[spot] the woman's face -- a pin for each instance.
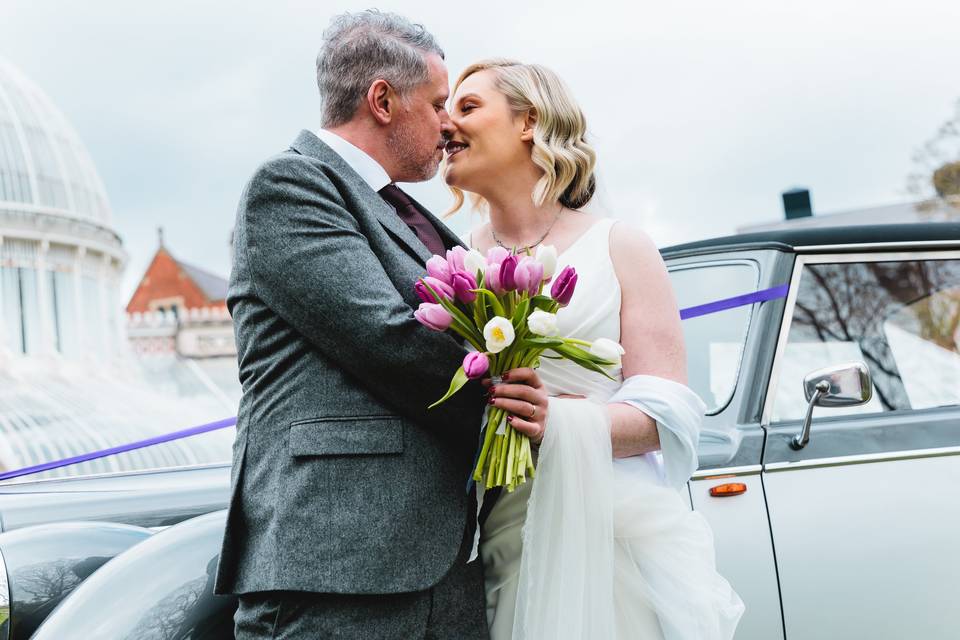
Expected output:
(489, 140)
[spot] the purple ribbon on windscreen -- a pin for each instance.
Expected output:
(690, 312)
(139, 444)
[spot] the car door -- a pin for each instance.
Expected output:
(724, 350)
(865, 517)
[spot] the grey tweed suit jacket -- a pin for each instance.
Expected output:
(342, 480)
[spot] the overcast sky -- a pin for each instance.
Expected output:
(701, 112)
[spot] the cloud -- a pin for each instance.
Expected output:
(701, 112)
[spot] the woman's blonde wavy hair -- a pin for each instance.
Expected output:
(560, 148)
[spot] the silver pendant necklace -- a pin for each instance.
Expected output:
(493, 234)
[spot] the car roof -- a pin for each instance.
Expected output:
(827, 238)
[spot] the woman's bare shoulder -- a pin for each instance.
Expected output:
(632, 249)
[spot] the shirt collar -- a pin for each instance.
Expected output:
(366, 167)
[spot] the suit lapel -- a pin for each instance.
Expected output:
(310, 145)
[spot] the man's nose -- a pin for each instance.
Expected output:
(446, 124)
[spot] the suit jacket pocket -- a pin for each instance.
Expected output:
(346, 436)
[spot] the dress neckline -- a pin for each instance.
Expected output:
(571, 246)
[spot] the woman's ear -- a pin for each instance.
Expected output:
(529, 122)
(380, 100)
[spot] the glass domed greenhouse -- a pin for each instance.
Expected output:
(68, 383)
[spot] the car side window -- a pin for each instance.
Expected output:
(714, 342)
(900, 318)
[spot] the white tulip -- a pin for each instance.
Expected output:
(542, 323)
(607, 349)
(474, 261)
(499, 334)
(547, 256)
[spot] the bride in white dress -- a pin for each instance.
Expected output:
(602, 544)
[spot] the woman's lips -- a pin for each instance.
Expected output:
(453, 148)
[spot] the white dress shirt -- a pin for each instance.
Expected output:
(366, 167)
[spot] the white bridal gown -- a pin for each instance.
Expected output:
(598, 548)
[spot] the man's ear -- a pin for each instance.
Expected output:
(381, 100)
(529, 122)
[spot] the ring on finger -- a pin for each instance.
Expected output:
(532, 413)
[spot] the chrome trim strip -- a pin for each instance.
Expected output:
(26, 480)
(865, 458)
(781, 340)
(884, 256)
(5, 598)
(904, 244)
(716, 474)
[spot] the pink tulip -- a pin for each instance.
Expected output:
(491, 279)
(442, 288)
(463, 282)
(433, 316)
(437, 267)
(496, 255)
(563, 286)
(507, 270)
(455, 258)
(528, 275)
(476, 364)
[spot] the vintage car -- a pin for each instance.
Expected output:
(830, 364)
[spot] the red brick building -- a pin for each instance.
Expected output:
(172, 285)
(179, 308)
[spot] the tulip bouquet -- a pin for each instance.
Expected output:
(497, 304)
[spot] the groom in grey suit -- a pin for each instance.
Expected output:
(349, 515)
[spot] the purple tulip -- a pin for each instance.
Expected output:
(563, 286)
(528, 275)
(476, 364)
(442, 288)
(437, 267)
(496, 255)
(455, 259)
(433, 316)
(508, 269)
(491, 279)
(463, 282)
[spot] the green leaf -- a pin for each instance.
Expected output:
(543, 302)
(541, 342)
(467, 328)
(520, 315)
(492, 299)
(459, 379)
(583, 358)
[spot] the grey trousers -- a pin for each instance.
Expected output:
(453, 609)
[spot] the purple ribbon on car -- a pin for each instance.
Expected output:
(690, 312)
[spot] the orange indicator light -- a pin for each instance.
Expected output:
(729, 489)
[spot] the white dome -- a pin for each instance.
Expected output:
(44, 166)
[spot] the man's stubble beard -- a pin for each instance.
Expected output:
(415, 166)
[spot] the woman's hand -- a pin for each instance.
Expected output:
(522, 395)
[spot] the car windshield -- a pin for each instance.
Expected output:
(714, 342)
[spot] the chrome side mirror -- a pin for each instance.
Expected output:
(843, 385)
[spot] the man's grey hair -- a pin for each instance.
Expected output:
(359, 48)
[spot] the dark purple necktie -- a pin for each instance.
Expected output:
(413, 218)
